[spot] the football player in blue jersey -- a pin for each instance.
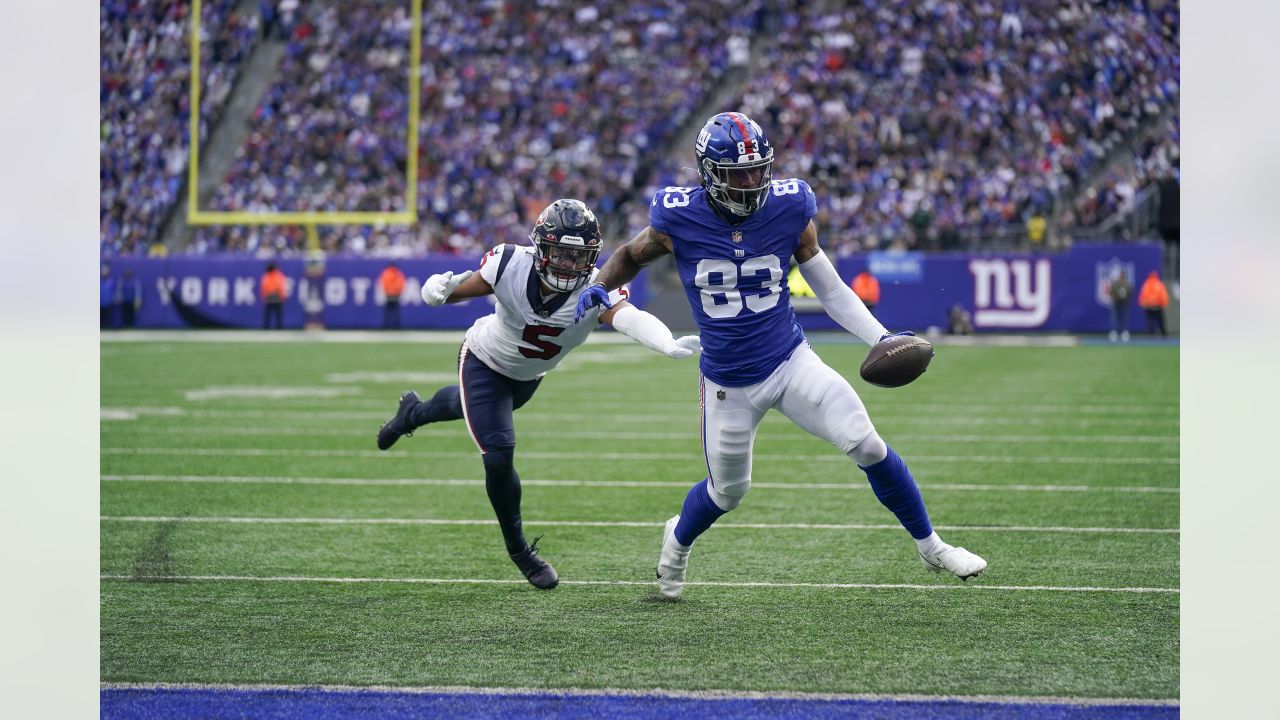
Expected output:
(733, 238)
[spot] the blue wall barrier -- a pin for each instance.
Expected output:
(215, 292)
(1003, 292)
(1008, 292)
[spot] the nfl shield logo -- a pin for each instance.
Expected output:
(736, 236)
(719, 394)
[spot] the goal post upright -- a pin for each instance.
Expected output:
(308, 219)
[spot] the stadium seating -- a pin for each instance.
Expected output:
(521, 105)
(919, 124)
(144, 72)
(909, 118)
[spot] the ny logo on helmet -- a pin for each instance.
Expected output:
(704, 137)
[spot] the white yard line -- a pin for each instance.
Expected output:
(487, 581)
(962, 487)
(454, 337)
(692, 436)
(547, 455)
(1011, 413)
(782, 424)
(613, 524)
(630, 692)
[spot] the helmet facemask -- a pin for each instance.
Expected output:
(565, 264)
(566, 241)
(740, 187)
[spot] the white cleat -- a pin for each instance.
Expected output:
(955, 560)
(672, 562)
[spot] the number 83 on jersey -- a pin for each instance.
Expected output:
(726, 285)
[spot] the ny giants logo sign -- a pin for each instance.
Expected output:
(1010, 293)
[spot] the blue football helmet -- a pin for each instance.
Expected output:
(735, 162)
(566, 240)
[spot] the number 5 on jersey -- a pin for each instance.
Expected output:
(533, 335)
(718, 282)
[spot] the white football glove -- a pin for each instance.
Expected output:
(684, 347)
(438, 288)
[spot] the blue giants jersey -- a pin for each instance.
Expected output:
(735, 276)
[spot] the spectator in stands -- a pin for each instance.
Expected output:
(392, 283)
(130, 298)
(867, 288)
(1120, 291)
(106, 299)
(273, 290)
(1036, 227)
(1153, 299)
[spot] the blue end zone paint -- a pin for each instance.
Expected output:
(127, 703)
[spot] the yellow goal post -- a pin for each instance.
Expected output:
(308, 219)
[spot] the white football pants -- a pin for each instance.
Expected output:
(803, 388)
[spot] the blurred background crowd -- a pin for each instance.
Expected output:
(928, 124)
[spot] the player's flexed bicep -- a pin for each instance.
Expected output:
(622, 267)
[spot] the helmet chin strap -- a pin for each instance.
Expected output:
(725, 212)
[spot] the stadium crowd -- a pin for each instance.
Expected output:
(521, 104)
(144, 72)
(1154, 158)
(917, 122)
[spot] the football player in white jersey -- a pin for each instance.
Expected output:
(505, 354)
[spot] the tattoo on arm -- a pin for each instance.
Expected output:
(808, 246)
(648, 245)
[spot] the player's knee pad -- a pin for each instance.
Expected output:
(870, 450)
(499, 458)
(729, 458)
(728, 497)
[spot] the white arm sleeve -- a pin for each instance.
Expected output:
(838, 299)
(644, 328)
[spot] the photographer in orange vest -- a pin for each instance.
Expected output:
(867, 288)
(392, 282)
(273, 290)
(1153, 299)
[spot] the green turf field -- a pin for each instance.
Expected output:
(1059, 465)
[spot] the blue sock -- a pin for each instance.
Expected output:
(446, 404)
(698, 513)
(896, 490)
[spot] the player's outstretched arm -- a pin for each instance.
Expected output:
(648, 245)
(646, 329)
(450, 288)
(836, 297)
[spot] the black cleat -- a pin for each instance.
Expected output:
(398, 426)
(537, 571)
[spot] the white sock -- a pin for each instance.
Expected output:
(931, 545)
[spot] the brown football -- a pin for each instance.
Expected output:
(896, 361)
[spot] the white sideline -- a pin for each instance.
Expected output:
(544, 455)
(616, 524)
(646, 583)
(656, 693)
(446, 482)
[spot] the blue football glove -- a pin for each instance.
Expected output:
(897, 334)
(591, 297)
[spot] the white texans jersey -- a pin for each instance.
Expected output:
(528, 333)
